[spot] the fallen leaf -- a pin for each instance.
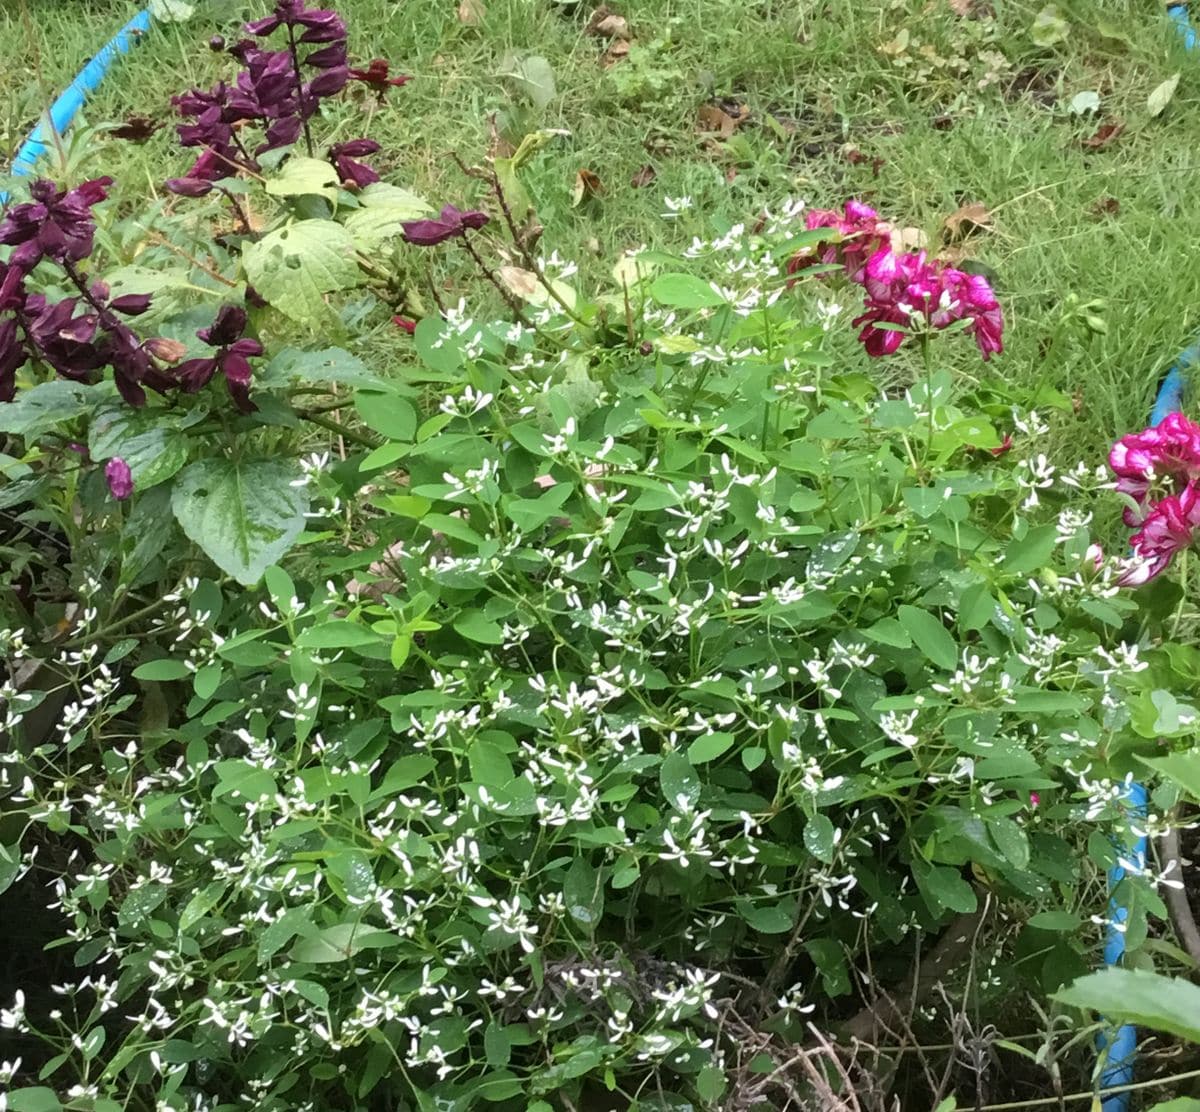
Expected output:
(1105, 134)
(960, 7)
(617, 52)
(471, 13)
(942, 123)
(909, 239)
(606, 24)
(1161, 97)
(1106, 206)
(587, 186)
(712, 117)
(522, 283)
(967, 219)
(856, 158)
(1082, 103)
(643, 177)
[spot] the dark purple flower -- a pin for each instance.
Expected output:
(119, 477)
(328, 57)
(57, 224)
(12, 358)
(344, 156)
(131, 304)
(453, 222)
(376, 77)
(66, 341)
(232, 358)
(319, 25)
(328, 82)
(133, 369)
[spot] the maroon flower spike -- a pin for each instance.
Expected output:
(232, 358)
(57, 224)
(344, 156)
(376, 76)
(119, 477)
(405, 324)
(453, 222)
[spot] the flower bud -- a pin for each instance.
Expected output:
(166, 350)
(216, 44)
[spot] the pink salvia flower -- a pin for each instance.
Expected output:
(119, 477)
(1168, 527)
(1169, 452)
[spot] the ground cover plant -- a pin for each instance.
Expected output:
(453, 663)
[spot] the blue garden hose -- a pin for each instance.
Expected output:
(63, 110)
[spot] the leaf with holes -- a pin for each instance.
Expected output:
(149, 440)
(244, 514)
(294, 267)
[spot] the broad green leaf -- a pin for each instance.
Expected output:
(1182, 768)
(533, 76)
(341, 943)
(36, 1099)
(148, 439)
(929, 635)
(1032, 552)
(819, 837)
(1049, 28)
(334, 365)
(684, 291)
(277, 934)
(708, 747)
(1055, 921)
(301, 175)
(172, 11)
(388, 414)
(1011, 840)
(583, 891)
(1167, 1004)
(1161, 96)
(201, 904)
(384, 211)
(244, 514)
(944, 887)
(337, 634)
(161, 671)
(679, 781)
(475, 627)
(295, 266)
(46, 406)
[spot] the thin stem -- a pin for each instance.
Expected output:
(238, 208)
(328, 423)
(1099, 1094)
(510, 299)
(299, 87)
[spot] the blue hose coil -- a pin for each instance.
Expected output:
(63, 110)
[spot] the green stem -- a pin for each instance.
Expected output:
(341, 430)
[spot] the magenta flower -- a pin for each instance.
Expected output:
(1170, 451)
(1168, 527)
(345, 156)
(232, 358)
(453, 222)
(861, 234)
(912, 291)
(119, 477)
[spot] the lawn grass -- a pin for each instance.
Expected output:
(968, 109)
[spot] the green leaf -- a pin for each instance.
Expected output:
(819, 838)
(944, 887)
(497, 1046)
(277, 934)
(929, 635)
(45, 406)
(1158, 100)
(148, 439)
(1032, 551)
(684, 291)
(244, 514)
(1064, 921)
(679, 782)
(1182, 768)
(172, 11)
(583, 891)
(534, 76)
(1179, 1104)
(388, 414)
(295, 266)
(201, 904)
(36, 1099)
(383, 212)
(160, 671)
(475, 627)
(341, 943)
(337, 634)
(708, 747)
(301, 176)
(1049, 28)
(1011, 840)
(1167, 1004)
(328, 365)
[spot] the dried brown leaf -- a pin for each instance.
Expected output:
(587, 186)
(723, 120)
(1106, 133)
(471, 13)
(643, 177)
(617, 52)
(522, 283)
(607, 24)
(965, 220)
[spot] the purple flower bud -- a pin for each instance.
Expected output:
(131, 304)
(453, 222)
(120, 478)
(188, 187)
(344, 156)
(216, 44)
